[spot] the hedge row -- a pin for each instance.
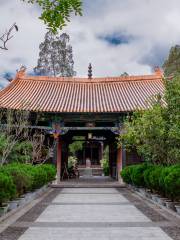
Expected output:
(159, 179)
(17, 179)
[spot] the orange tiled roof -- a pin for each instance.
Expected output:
(111, 94)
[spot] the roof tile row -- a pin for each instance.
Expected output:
(49, 94)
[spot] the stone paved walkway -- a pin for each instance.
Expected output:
(90, 214)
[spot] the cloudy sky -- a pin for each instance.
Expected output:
(115, 36)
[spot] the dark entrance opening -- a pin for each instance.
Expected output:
(93, 145)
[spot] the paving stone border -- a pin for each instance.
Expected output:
(172, 230)
(34, 212)
(14, 232)
(142, 206)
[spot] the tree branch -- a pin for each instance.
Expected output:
(7, 36)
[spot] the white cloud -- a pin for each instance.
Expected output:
(153, 26)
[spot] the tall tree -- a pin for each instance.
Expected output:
(155, 132)
(55, 56)
(172, 64)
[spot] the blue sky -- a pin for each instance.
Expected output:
(115, 36)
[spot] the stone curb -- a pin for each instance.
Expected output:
(153, 202)
(21, 210)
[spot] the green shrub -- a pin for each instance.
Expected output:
(50, 171)
(126, 174)
(21, 178)
(40, 174)
(146, 174)
(172, 184)
(165, 180)
(137, 175)
(154, 178)
(16, 179)
(7, 188)
(164, 173)
(39, 177)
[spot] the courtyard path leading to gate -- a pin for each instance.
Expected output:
(91, 214)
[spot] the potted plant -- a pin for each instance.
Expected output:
(105, 166)
(177, 206)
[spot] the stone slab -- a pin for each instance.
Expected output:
(90, 198)
(138, 233)
(92, 213)
(90, 190)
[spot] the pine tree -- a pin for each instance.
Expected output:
(55, 56)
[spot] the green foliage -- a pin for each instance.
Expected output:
(16, 179)
(162, 176)
(40, 174)
(154, 178)
(137, 176)
(105, 166)
(105, 161)
(39, 177)
(50, 170)
(7, 188)
(164, 173)
(145, 131)
(172, 97)
(172, 184)
(76, 145)
(56, 13)
(126, 174)
(155, 132)
(147, 174)
(164, 180)
(21, 152)
(21, 179)
(172, 63)
(72, 161)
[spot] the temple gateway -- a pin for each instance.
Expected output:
(91, 108)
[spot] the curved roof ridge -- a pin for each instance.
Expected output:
(59, 94)
(93, 80)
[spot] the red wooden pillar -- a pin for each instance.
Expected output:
(59, 159)
(119, 163)
(102, 150)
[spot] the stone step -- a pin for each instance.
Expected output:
(97, 171)
(90, 172)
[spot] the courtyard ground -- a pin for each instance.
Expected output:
(91, 213)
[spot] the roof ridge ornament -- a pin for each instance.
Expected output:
(21, 72)
(158, 71)
(90, 71)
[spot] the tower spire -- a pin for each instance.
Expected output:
(90, 71)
